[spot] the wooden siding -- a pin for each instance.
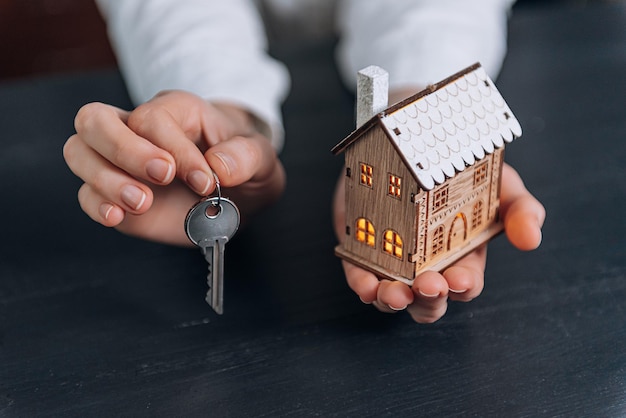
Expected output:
(463, 195)
(374, 204)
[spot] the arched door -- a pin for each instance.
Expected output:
(458, 231)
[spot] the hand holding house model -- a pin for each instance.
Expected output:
(422, 180)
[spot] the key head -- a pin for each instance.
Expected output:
(210, 219)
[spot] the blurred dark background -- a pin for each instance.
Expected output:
(60, 36)
(51, 36)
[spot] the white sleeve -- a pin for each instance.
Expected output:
(421, 41)
(213, 48)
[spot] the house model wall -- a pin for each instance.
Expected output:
(423, 176)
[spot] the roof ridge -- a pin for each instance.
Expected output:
(431, 88)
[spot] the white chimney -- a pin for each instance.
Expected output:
(372, 90)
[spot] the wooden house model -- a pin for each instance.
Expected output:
(423, 175)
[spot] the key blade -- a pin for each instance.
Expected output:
(214, 255)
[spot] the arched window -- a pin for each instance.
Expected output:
(438, 240)
(477, 215)
(392, 243)
(365, 232)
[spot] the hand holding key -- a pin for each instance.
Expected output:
(143, 169)
(209, 225)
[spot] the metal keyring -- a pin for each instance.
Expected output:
(218, 188)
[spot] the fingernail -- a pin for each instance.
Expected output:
(397, 309)
(133, 196)
(159, 170)
(105, 210)
(427, 295)
(364, 301)
(228, 162)
(200, 181)
(457, 291)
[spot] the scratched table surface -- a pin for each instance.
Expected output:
(96, 323)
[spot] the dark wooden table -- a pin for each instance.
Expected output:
(96, 323)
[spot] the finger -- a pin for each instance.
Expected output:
(163, 223)
(99, 208)
(155, 122)
(241, 159)
(362, 282)
(395, 295)
(431, 297)
(103, 128)
(383, 307)
(523, 225)
(466, 277)
(523, 214)
(107, 181)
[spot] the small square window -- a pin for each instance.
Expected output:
(480, 174)
(440, 199)
(367, 174)
(394, 188)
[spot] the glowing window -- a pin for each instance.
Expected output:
(480, 173)
(477, 215)
(440, 199)
(392, 243)
(367, 173)
(438, 240)
(365, 232)
(395, 186)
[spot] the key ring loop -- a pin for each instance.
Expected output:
(218, 188)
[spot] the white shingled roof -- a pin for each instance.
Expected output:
(451, 128)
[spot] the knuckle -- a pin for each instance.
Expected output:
(89, 115)
(122, 151)
(69, 147)
(145, 116)
(83, 195)
(98, 181)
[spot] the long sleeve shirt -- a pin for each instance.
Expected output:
(217, 49)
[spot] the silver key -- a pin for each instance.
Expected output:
(209, 225)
